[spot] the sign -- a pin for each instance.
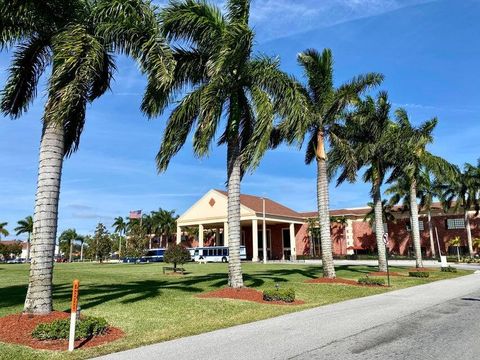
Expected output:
(385, 238)
(73, 314)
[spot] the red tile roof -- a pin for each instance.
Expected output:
(271, 207)
(12, 242)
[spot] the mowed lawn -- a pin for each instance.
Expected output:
(151, 307)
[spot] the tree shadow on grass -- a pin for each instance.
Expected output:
(365, 269)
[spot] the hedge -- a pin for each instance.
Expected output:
(419, 274)
(371, 281)
(59, 329)
(287, 295)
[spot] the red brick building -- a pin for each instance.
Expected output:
(350, 234)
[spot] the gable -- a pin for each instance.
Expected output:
(210, 208)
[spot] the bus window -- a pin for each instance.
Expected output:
(196, 252)
(225, 252)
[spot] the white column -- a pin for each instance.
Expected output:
(200, 235)
(293, 244)
(225, 234)
(179, 234)
(217, 236)
(255, 240)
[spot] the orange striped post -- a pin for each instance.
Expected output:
(73, 314)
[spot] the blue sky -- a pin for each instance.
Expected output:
(428, 50)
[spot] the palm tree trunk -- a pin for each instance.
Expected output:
(382, 257)
(70, 252)
(39, 293)
(323, 211)
(469, 232)
(235, 277)
(415, 226)
(81, 252)
(430, 234)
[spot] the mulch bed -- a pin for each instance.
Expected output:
(384, 273)
(341, 281)
(17, 329)
(244, 294)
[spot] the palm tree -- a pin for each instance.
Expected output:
(325, 105)
(165, 224)
(3, 230)
(77, 37)
(225, 82)
(25, 226)
(411, 156)
(461, 191)
(67, 240)
(120, 227)
(366, 139)
(387, 214)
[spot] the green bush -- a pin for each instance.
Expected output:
(59, 329)
(371, 281)
(449, 269)
(419, 274)
(176, 254)
(287, 295)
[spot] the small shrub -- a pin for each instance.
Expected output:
(419, 274)
(176, 254)
(371, 281)
(287, 295)
(59, 329)
(449, 269)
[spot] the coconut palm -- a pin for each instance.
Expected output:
(25, 226)
(165, 223)
(387, 214)
(325, 105)
(67, 241)
(228, 86)
(3, 230)
(411, 155)
(77, 38)
(120, 227)
(366, 140)
(461, 191)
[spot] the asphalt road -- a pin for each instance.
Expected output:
(442, 332)
(438, 321)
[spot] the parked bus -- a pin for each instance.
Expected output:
(216, 253)
(153, 255)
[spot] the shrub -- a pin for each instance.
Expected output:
(287, 295)
(176, 254)
(419, 274)
(371, 281)
(449, 269)
(59, 329)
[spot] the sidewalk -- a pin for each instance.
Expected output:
(295, 334)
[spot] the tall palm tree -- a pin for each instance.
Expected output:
(325, 105)
(25, 226)
(67, 240)
(411, 155)
(227, 85)
(461, 191)
(120, 227)
(3, 230)
(77, 37)
(387, 214)
(366, 140)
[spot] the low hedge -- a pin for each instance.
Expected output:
(287, 295)
(419, 274)
(449, 269)
(371, 281)
(59, 329)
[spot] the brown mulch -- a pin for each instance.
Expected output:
(17, 329)
(244, 294)
(341, 281)
(384, 273)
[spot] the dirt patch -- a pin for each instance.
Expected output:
(341, 281)
(17, 329)
(384, 273)
(244, 294)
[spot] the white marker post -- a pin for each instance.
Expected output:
(73, 315)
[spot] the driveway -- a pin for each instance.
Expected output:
(439, 320)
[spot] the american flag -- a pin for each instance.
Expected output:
(135, 214)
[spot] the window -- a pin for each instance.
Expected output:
(420, 226)
(455, 224)
(286, 237)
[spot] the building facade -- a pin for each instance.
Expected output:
(290, 234)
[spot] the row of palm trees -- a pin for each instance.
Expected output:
(24, 226)
(199, 60)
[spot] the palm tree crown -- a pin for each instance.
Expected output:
(3, 230)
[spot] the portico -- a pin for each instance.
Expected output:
(208, 216)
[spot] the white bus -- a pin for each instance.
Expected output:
(216, 253)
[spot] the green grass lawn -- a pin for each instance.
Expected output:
(150, 307)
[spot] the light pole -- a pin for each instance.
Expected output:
(264, 234)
